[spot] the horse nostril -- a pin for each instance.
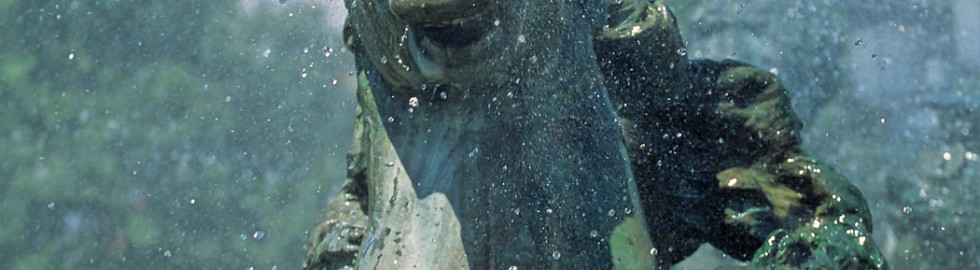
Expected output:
(455, 35)
(436, 12)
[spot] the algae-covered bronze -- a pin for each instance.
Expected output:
(571, 135)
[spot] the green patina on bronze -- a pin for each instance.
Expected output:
(353, 234)
(629, 250)
(511, 151)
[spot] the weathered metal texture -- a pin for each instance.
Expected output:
(522, 145)
(694, 130)
(509, 150)
(378, 221)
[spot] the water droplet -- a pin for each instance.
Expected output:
(391, 119)
(682, 51)
(611, 212)
(549, 211)
(907, 210)
(443, 95)
(512, 267)
(521, 39)
(303, 74)
(496, 22)
(971, 156)
(71, 56)
(594, 233)
(413, 103)
(167, 253)
(51, 205)
(556, 255)
(384, 60)
(258, 235)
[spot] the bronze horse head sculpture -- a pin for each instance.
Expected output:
(566, 134)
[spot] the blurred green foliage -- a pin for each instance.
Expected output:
(187, 134)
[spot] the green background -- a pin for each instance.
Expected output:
(168, 134)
